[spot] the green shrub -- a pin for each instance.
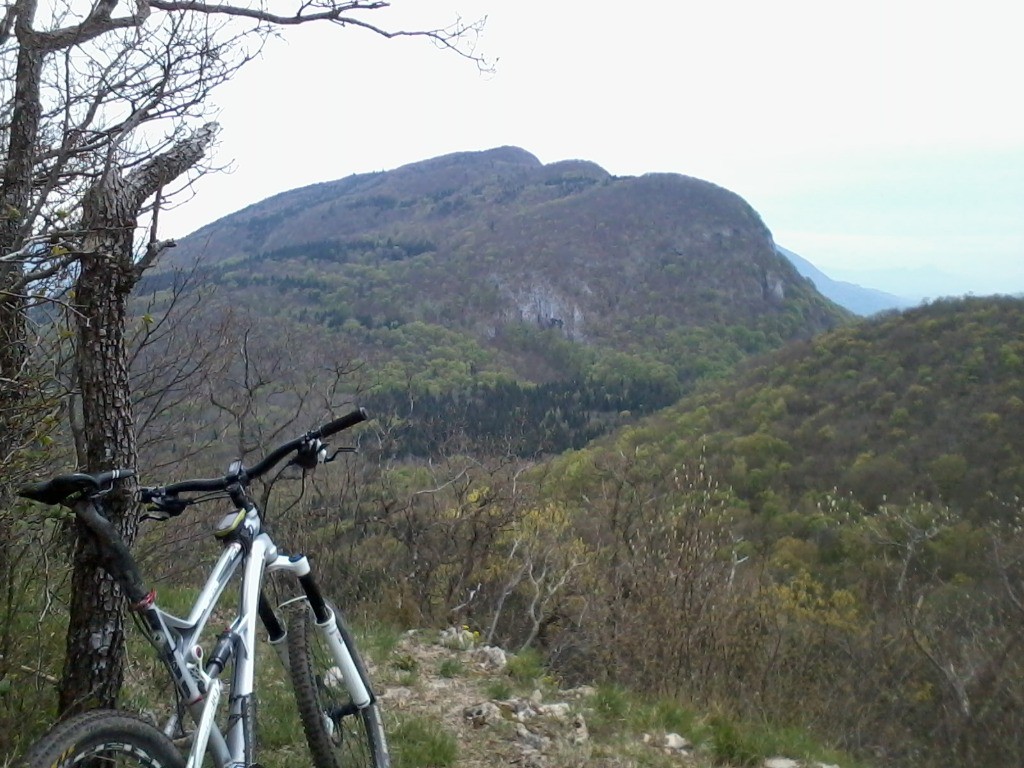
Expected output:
(499, 689)
(733, 746)
(419, 743)
(451, 668)
(526, 667)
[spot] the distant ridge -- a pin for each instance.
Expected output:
(858, 299)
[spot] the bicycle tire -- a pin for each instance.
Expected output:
(103, 738)
(352, 740)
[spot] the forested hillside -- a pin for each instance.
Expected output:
(864, 487)
(924, 405)
(828, 500)
(513, 298)
(831, 540)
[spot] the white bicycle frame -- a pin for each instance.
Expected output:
(197, 680)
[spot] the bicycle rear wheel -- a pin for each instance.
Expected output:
(103, 739)
(339, 735)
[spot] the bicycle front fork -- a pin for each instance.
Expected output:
(327, 625)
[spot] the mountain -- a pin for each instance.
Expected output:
(490, 269)
(924, 404)
(859, 300)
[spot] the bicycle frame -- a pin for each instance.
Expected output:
(197, 681)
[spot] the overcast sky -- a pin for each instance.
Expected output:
(869, 134)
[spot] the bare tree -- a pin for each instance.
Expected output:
(107, 275)
(104, 111)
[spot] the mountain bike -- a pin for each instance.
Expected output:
(336, 703)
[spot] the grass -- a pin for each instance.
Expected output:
(417, 742)
(526, 668)
(611, 705)
(748, 744)
(499, 689)
(450, 668)
(617, 718)
(34, 627)
(376, 640)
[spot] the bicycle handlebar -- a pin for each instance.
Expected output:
(346, 421)
(59, 489)
(264, 465)
(83, 489)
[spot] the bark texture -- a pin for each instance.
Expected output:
(94, 664)
(15, 197)
(94, 661)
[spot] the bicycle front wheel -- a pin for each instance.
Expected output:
(105, 739)
(339, 734)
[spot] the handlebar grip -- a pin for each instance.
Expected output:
(57, 490)
(346, 421)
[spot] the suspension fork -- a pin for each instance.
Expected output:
(328, 628)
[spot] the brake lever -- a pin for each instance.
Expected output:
(343, 449)
(164, 507)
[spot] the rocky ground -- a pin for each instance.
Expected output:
(497, 717)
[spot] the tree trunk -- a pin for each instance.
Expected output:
(15, 198)
(94, 657)
(94, 663)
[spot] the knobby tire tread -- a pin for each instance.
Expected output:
(76, 738)
(302, 637)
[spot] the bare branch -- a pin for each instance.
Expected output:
(97, 23)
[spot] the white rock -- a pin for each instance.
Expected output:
(676, 742)
(519, 710)
(580, 734)
(491, 658)
(558, 711)
(582, 692)
(333, 678)
(531, 739)
(780, 762)
(482, 714)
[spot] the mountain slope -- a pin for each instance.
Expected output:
(481, 243)
(543, 301)
(924, 404)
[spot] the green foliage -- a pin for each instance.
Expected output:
(731, 745)
(526, 667)
(420, 743)
(611, 704)
(885, 411)
(550, 301)
(499, 690)
(451, 667)
(735, 743)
